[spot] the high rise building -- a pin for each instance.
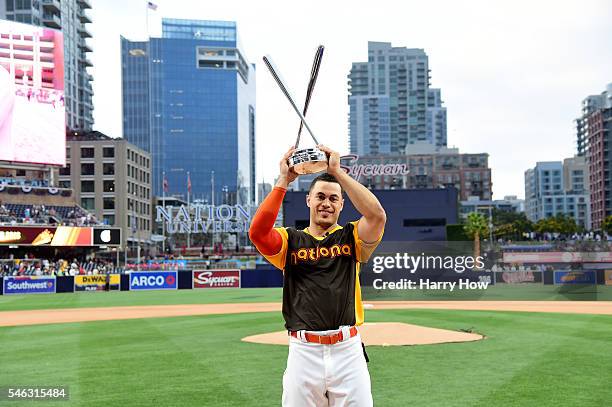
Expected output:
(263, 189)
(189, 99)
(424, 167)
(594, 139)
(111, 179)
(510, 203)
(70, 17)
(391, 103)
(555, 187)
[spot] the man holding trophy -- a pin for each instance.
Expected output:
(322, 304)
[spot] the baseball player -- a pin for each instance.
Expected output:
(322, 304)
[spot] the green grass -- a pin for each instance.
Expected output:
(209, 296)
(499, 292)
(527, 360)
(125, 298)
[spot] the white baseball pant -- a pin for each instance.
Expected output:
(326, 375)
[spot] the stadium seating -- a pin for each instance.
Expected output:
(11, 213)
(33, 267)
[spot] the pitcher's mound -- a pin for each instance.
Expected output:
(385, 334)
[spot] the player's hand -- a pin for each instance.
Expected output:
(333, 159)
(287, 174)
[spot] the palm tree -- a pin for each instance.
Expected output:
(476, 227)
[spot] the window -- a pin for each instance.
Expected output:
(68, 152)
(108, 152)
(108, 169)
(65, 170)
(210, 64)
(109, 186)
(109, 203)
(87, 169)
(109, 220)
(87, 152)
(87, 186)
(64, 184)
(88, 203)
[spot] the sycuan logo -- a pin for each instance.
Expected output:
(216, 279)
(518, 277)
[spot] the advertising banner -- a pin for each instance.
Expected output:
(608, 277)
(153, 280)
(518, 277)
(216, 279)
(59, 236)
(575, 277)
(29, 285)
(166, 264)
(99, 282)
(557, 257)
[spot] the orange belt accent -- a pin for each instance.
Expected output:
(324, 339)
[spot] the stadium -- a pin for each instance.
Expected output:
(124, 283)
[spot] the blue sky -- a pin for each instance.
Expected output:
(512, 73)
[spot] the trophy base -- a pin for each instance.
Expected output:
(308, 161)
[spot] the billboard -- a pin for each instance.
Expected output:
(608, 277)
(557, 257)
(32, 112)
(29, 285)
(153, 280)
(518, 277)
(97, 282)
(59, 236)
(576, 277)
(216, 279)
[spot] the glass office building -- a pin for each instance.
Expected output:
(189, 99)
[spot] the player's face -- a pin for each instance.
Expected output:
(325, 203)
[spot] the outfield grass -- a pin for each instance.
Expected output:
(127, 298)
(499, 292)
(527, 360)
(505, 292)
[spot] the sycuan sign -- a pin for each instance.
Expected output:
(349, 164)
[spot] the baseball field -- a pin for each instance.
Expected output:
(527, 358)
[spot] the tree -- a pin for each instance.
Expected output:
(567, 224)
(606, 225)
(560, 223)
(476, 227)
(510, 225)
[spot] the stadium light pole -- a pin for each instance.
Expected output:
(491, 224)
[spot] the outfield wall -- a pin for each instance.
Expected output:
(271, 277)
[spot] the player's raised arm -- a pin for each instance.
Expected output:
(372, 223)
(262, 233)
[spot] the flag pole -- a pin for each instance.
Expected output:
(164, 206)
(188, 211)
(212, 221)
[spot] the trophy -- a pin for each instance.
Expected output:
(305, 160)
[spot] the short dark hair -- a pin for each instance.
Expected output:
(325, 177)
